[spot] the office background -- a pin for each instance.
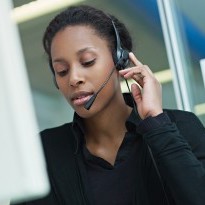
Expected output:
(143, 21)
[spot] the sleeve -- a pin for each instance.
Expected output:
(179, 151)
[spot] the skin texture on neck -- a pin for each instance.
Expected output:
(105, 131)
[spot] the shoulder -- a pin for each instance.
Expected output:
(58, 138)
(188, 124)
(56, 133)
(183, 117)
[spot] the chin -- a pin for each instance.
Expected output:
(83, 113)
(80, 110)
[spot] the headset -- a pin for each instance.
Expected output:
(121, 58)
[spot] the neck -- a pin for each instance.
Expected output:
(108, 125)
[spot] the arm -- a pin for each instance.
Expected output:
(179, 150)
(178, 153)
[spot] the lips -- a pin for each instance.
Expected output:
(81, 97)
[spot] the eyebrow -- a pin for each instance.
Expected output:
(85, 49)
(61, 60)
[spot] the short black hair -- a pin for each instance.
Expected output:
(89, 16)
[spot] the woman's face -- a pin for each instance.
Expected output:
(82, 62)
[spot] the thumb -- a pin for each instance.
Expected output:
(136, 92)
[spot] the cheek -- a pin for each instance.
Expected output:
(115, 82)
(103, 71)
(111, 87)
(102, 76)
(64, 89)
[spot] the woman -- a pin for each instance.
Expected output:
(111, 153)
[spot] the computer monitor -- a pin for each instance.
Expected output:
(23, 173)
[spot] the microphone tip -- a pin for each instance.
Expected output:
(89, 103)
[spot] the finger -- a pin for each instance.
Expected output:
(141, 70)
(137, 77)
(134, 60)
(133, 73)
(148, 69)
(138, 71)
(127, 70)
(136, 92)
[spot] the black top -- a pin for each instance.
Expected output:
(178, 147)
(103, 177)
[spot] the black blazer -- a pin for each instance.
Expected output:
(178, 148)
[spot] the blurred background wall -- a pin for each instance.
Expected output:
(143, 21)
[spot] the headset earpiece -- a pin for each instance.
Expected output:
(123, 60)
(122, 56)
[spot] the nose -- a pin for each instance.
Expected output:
(76, 77)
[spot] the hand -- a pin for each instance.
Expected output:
(147, 90)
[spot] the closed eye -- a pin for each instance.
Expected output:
(88, 63)
(62, 73)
